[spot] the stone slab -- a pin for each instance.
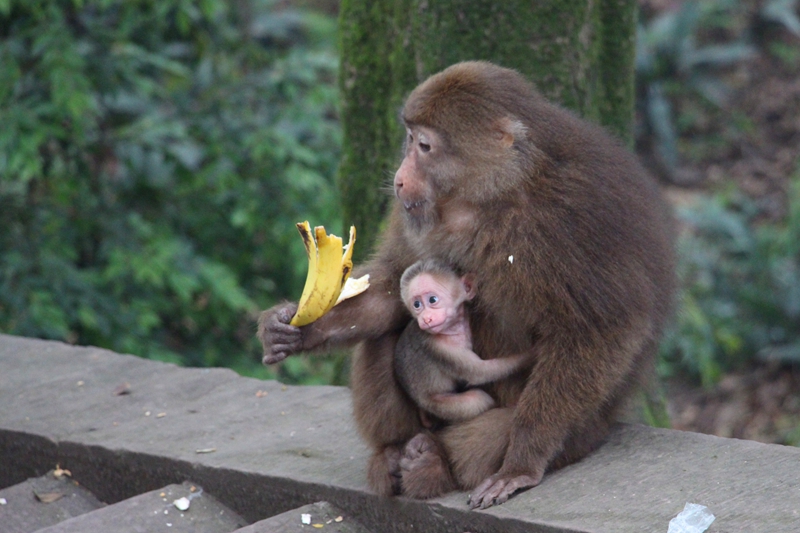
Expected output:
(321, 516)
(264, 448)
(155, 511)
(32, 504)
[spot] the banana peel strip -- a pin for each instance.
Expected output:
(329, 267)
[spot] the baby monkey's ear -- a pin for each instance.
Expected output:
(468, 282)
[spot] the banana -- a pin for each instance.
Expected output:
(329, 267)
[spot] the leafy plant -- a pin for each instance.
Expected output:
(741, 287)
(782, 12)
(154, 157)
(671, 58)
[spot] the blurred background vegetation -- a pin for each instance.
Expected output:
(154, 157)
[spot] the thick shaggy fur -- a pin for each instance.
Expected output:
(570, 245)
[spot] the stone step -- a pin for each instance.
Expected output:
(124, 425)
(320, 516)
(42, 502)
(156, 511)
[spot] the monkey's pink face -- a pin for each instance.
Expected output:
(433, 304)
(413, 180)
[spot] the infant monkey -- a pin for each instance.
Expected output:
(433, 360)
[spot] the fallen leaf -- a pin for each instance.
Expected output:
(59, 472)
(48, 497)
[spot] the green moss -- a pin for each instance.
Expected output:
(578, 52)
(615, 64)
(365, 82)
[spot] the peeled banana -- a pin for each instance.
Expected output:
(329, 267)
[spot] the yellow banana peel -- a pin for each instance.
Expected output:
(329, 267)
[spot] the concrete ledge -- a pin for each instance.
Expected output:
(125, 426)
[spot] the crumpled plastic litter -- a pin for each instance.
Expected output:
(694, 518)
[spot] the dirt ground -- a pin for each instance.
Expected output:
(754, 141)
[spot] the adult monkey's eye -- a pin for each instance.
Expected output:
(424, 143)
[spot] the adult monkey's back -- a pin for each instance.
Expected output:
(570, 245)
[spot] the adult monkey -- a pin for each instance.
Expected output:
(570, 244)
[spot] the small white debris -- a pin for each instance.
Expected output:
(511, 259)
(166, 511)
(693, 519)
(182, 504)
(205, 450)
(169, 525)
(3, 501)
(305, 519)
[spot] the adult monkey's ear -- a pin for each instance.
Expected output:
(508, 129)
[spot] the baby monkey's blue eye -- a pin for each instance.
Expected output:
(433, 299)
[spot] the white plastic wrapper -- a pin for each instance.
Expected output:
(694, 518)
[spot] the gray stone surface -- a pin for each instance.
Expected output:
(322, 516)
(286, 447)
(155, 511)
(40, 502)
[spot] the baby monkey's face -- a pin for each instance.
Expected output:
(435, 301)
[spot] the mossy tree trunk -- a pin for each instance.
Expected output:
(579, 53)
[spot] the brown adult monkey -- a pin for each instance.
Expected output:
(570, 244)
(433, 360)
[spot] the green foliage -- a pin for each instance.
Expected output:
(783, 12)
(674, 57)
(154, 157)
(741, 288)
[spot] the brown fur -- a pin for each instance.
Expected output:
(431, 367)
(424, 467)
(587, 295)
(431, 373)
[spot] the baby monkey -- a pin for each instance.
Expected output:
(434, 361)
